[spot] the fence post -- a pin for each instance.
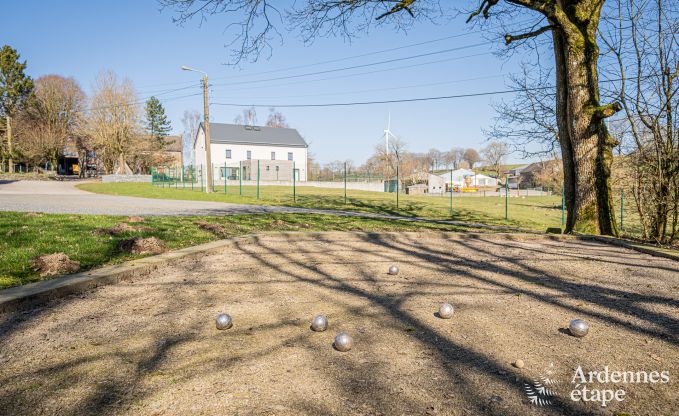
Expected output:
(507, 197)
(240, 176)
(345, 183)
(225, 176)
(193, 175)
(622, 208)
(153, 176)
(397, 183)
(257, 178)
(202, 189)
(294, 184)
(451, 192)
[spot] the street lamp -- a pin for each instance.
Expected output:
(206, 128)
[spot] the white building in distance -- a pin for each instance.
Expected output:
(465, 178)
(270, 152)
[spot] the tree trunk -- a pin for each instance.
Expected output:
(585, 143)
(9, 145)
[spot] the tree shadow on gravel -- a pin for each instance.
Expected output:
(365, 390)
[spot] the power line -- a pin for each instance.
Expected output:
(137, 102)
(392, 88)
(421, 55)
(456, 58)
(404, 100)
(346, 58)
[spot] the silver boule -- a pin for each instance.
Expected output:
(319, 323)
(224, 321)
(343, 342)
(578, 328)
(393, 269)
(446, 311)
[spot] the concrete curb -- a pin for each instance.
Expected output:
(642, 248)
(33, 294)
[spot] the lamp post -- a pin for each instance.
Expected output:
(206, 128)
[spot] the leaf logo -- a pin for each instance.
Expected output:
(541, 391)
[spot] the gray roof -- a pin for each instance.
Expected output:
(239, 134)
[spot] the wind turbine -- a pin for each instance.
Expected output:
(387, 133)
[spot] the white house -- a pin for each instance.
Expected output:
(465, 178)
(270, 152)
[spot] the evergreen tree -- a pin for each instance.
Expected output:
(157, 124)
(15, 87)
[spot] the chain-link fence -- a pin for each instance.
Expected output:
(258, 182)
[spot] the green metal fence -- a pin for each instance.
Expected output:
(246, 184)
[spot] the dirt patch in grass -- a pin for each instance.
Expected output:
(279, 224)
(135, 219)
(120, 228)
(216, 229)
(139, 245)
(150, 346)
(53, 264)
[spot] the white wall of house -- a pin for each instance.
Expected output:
(477, 180)
(239, 152)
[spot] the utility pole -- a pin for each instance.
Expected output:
(206, 127)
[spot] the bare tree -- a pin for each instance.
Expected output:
(113, 121)
(454, 156)
(247, 118)
(471, 156)
(51, 119)
(642, 39)
(436, 158)
(276, 119)
(495, 154)
(190, 121)
(527, 123)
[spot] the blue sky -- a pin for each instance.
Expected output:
(136, 40)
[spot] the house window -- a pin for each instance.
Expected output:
(273, 155)
(228, 153)
(267, 168)
(249, 154)
(277, 168)
(289, 155)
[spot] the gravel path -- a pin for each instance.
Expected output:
(150, 347)
(64, 198)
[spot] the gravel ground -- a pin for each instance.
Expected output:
(150, 347)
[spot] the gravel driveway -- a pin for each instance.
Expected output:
(150, 347)
(64, 198)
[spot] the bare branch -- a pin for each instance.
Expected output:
(511, 38)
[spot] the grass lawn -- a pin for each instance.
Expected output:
(536, 213)
(28, 235)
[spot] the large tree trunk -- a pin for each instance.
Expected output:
(585, 143)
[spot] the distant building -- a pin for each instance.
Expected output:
(514, 176)
(466, 178)
(272, 151)
(417, 189)
(437, 185)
